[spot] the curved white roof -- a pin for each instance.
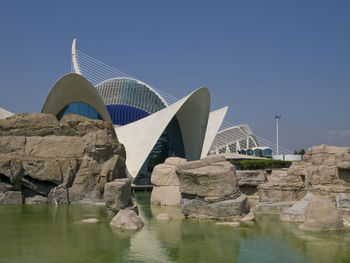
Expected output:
(139, 137)
(74, 88)
(4, 113)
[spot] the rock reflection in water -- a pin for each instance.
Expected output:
(45, 233)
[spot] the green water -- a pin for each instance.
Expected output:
(41, 233)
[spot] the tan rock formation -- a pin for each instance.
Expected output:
(39, 154)
(322, 215)
(209, 189)
(166, 190)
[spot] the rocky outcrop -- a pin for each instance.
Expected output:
(322, 215)
(325, 170)
(281, 187)
(11, 198)
(296, 213)
(127, 219)
(209, 189)
(248, 181)
(251, 177)
(118, 195)
(166, 183)
(68, 161)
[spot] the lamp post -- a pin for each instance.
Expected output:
(277, 117)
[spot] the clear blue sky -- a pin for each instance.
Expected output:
(258, 57)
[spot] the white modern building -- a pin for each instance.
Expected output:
(151, 128)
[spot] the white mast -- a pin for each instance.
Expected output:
(74, 57)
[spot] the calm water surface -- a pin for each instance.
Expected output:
(45, 233)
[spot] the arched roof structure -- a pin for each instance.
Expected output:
(192, 114)
(73, 88)
(130, 92)
(234, 139)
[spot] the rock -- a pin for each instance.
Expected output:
(165, 179)
(163, 216)
(37, 199)
(166, 195)
(212, 181)
(24, 124)
(5, 187)
(346, 223)
(78, 154)
(271, 208)
(59, 195)
(248, 217)
(281, 192)
(328, 155)
(209, 189)
(227, 209)
(296, 212)
(127, 219)
(251, 177)
(322, 215)
(90, 220)
(342, 201)
(12, 145)
(117, 194)
(175, 161)
(164, 174)
(228, 223)
(12, 197)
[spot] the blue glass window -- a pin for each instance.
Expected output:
(79, 108)
(122, 114)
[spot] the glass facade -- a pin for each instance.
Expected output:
(79, 108)
(169, 144)
(130, 92)
(122, 115)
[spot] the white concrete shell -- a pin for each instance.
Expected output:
(214, 122)
(4, 114)
(74, 88)
(139, 137)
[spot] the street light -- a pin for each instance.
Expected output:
(277, 117)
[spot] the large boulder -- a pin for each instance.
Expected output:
(209, 189)
(343, 201)
(12, 198)
(117, 195)
(296, 213)
(226, 209)
(281, 192)
(328, 156)
(76, 156)
(166, 195)
(251, 177)
(211, 179)
(322, 215)
(127, 219)
(166, 190)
